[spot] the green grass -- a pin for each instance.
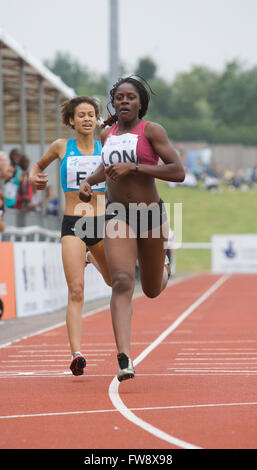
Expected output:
(205, 214)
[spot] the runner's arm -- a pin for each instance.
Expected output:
(36, 176)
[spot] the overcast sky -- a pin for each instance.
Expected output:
(175, 33)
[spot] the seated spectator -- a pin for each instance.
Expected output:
(229, 176)
(241, 178)
(198, 169)
(52, 203)
(190, 180)
(211, 182)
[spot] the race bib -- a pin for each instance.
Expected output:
(120, 149)
(81, 167)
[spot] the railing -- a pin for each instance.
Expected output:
(31, 233)
(189, 246)
(196, 246)
(36, 233)
(19, 218)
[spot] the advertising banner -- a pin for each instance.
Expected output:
(95, 286)
(234, 253)
(40, 281)
(7, 281)
(39, 278)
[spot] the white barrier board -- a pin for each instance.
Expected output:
(234, 253)
(95, 286)
(40, 282)
(39, 278)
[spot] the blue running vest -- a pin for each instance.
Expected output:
(75, 166)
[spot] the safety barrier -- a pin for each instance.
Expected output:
(32, 278)
(31, 233)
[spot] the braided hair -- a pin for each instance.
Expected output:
(144, 96)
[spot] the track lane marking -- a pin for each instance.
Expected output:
(149, 408)
(114, 385)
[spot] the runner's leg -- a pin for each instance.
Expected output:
(97, 257)
(154, 274)
(121, 255)
(74, 255)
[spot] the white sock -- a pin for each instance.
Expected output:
(76, 354)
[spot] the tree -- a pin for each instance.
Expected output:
(190, 93)
(234, 95)
(146, 68)
(69, 69)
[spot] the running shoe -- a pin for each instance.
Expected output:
(126, 369)
(168, 264)
(78, 364)
(87, 260)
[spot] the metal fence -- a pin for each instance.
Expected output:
(32, 233)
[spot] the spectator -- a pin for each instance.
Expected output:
(206, 156)
(13, 177)
(2, 225)
(240, 178)
(15, 157)
(198, 169)
(211, 182)
(250, 172)
(25, 191)
(190, 180)
(4, 163)
(229, 176)
(36, 203)
(52, 203)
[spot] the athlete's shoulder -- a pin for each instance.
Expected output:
(59, 145)
(153, 129)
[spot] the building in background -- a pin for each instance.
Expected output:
(30, 119)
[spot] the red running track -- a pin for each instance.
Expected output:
(195, 351)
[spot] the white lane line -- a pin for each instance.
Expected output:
(150, 408)
(219, 349)
(55, 355)
(45, 360)
(232, 365)
(63, 351)
(114, 385)
(215, 353)
(216, 370)
(54, 373)
(212, 359)
(140, 343)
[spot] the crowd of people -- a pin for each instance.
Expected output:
(201, 172)
(16, 192)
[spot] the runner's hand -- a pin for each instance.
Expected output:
(85, 191)
(39, 180)
(117, 170)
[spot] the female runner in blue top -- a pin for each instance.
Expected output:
(78, 158)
